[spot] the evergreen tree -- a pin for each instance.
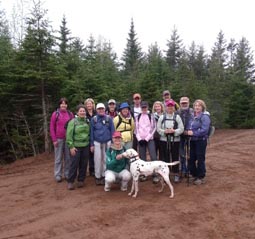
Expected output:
(38, 68)
(174, 50)
(217, 81)
(156, 71)
(132, 60)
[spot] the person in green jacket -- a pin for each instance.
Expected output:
(116, 165)
(77, 138)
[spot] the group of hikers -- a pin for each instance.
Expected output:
(97, 135)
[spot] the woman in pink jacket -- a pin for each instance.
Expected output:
(145, 127)
(58, 122)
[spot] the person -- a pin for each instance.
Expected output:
(90, 113)
(101, 130)
(58, 120)
(135, 111)
(199, 127)
(166, 97)
(145, 127)
(158, 109)
(77, 138)
(170, 127)
(116, 164)
(112, 108)
(186, 114)
(124, 123)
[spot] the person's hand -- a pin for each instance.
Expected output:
(92, 148)
(169, 131)
(119, 156)
(190, 132)
(73, 151)
(55, 144)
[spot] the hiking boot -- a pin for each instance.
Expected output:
(176, 179)
(102, 182)
(98, 181)
(155, 179)
(80, 184)
(70, 186)
(142, 178)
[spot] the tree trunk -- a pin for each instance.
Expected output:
(45, 121)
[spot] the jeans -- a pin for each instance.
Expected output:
(111, 177)
(197, 158)
(62, 153)
(100, 158)
(151, 148)
(79, 163)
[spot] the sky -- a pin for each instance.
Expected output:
(154, 20)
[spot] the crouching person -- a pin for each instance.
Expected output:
(116, 165)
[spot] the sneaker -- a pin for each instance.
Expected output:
(106, 189)
(70, 186)
(176, 179)
(80, 184)
(155, 179)
(142, 178)
(199, 181)
(123, 189)
(58, 179)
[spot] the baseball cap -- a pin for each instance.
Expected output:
(100, 105)
(166, 92)
(144, 104)
(116, 134)
(111, 101)
(170, 103)
(136, 95)
(184, 100)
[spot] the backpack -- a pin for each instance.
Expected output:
(120, 121)
(57, 112)
(139, 116)
(174, 119)
(107, 120)
(211, 127)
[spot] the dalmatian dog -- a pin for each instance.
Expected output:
(139, 166)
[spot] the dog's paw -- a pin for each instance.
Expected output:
(172, 196)
(160, 191)
(129, 194)
(134, 196)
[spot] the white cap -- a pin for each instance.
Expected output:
(100, 105)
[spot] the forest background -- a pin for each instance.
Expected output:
(38, 65)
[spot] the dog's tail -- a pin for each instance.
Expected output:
(173, 163)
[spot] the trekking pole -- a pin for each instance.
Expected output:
(168, 137)
(187, 145)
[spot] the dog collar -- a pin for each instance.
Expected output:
(134, 158)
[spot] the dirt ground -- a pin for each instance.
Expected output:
(34, 206)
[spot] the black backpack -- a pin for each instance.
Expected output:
(174, 119)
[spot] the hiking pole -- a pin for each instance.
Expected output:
(168, 137)
(187, 145)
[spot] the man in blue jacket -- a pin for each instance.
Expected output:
(101, 130)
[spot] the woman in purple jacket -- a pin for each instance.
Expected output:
(59, 119)
(199, 127)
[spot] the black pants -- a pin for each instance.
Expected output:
(79, 163)
(170, 150)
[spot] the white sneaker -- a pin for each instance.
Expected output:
(123, 189)
(106, 189)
